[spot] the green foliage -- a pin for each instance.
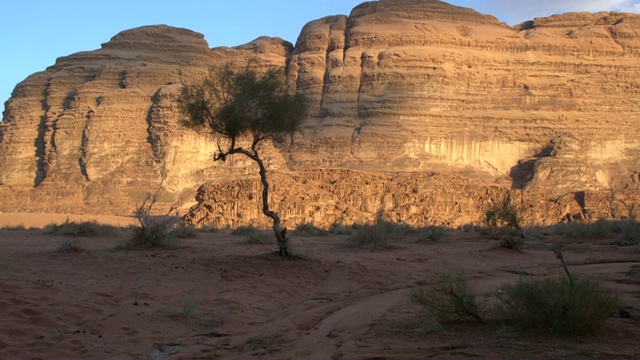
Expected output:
(310, 230)
(430, 233)
(377, 235)
(576, 230)
(510, 239)
(554, 304)
(238, 103)
(86, 228)
(446, 299)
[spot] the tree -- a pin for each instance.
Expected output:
(245, 107)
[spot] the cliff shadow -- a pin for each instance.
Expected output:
(522, 173)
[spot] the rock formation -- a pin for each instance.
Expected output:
(421, 111)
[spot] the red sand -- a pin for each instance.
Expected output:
(216, 297)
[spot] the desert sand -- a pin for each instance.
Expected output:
(218, 297)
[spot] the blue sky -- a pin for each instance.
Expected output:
(33, 33)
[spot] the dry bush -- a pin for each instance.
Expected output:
(578, 307)
(377, 235)
(447, 298)
(85, 228)
(157, 231)
(306, 229)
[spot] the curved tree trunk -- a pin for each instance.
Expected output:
(278, 230)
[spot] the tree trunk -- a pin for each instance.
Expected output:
(278, 230)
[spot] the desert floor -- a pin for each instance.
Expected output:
(218, 297)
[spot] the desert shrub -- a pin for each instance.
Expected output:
(575, 230)
(447, 298)
(156, 231)
(630, 234)
(17, 227)
(306, 229)
(377, 235)
(511, 239)
(558, 305)
(184, 230)
(339, 229)
(70, 245)
(244, 230)
(259, 237)
(430, 233)
(85, 228)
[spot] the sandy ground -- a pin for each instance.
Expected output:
(217, 297)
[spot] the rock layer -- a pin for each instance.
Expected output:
(401, 92)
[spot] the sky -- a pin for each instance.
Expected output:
(33, 33)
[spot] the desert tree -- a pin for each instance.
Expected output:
(244, 108)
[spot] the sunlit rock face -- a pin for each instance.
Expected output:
(420, 111)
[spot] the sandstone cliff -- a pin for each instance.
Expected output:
(406, 94)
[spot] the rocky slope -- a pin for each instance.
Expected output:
(424, 111)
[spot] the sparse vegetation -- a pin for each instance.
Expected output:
(575, 230)
(377, 235)
(17, 227)
(447, 298)
(70, 245)
(306, 229)
(430, 233)
(630, 233)
(258, 237)
(339, 229)
(157, 231)
(559, 305)
(85, 228)
(503, 220)
(244, 230)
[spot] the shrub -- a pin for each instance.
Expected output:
(306, 229)
(156, 231)
(338, 229)
(86, 228)
(377, 235)
(259, 238)
(630, 234)
(555, 304)
(574, 230)
(430, 233)
(14, 227)
(70, 245)
(244, 230)
(448, 298)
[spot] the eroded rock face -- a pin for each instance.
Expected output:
(404, 94)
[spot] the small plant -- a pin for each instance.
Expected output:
(306, 229)
(70, 245)
(574, 230)
(338, 229)
(430, 233)
(17, 227)
(377, 235)
(183, 231)
(258, 237)
(511, 240)
(191, 307)
(630, 233)
(244, 230)
(156, 231)
(558, 305)
(85, 228)
(446, 299)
